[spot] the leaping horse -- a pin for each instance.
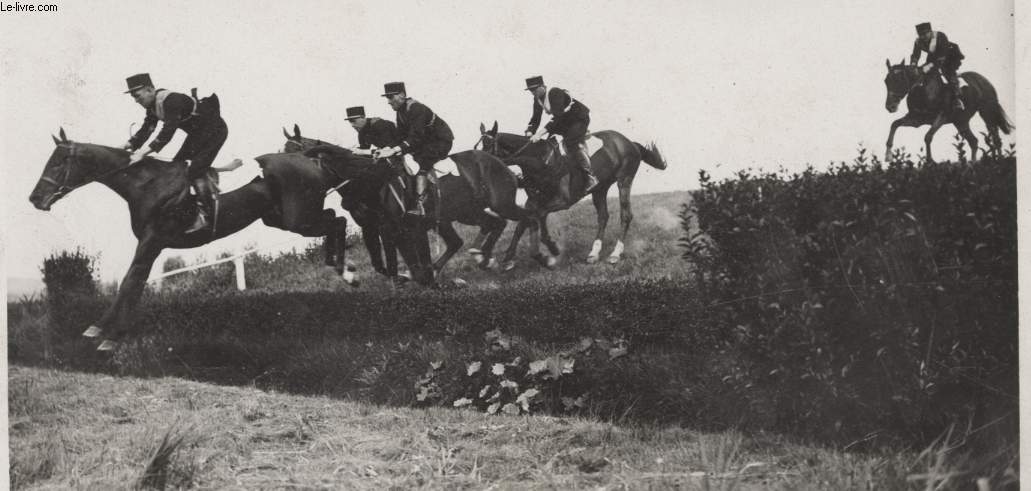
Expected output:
(160, 209)
(615, 162)
(926, 104)
(452, 198)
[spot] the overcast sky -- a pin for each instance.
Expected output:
(718, 85)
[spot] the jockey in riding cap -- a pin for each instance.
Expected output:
(569, 118)
(423, 134)
(206, 132)
(941, 53)
(372, 132)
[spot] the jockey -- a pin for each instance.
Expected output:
(424, 135)
(569, 118)
(941, 53)
(372, 132)
(200, 119)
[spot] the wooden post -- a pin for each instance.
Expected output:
(241, 280)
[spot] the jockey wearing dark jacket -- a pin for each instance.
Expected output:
(205, 129)
(941, 53)
(372, 132)
(569, 118)
(424, 135)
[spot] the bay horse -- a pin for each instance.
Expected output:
(452, 197)
(926, 99)
(161, 209)
(615, 162)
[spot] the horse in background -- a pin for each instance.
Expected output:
(928, 103)
(615, 161)
(452, 198)
(161, 209)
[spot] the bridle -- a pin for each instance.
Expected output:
(72, 159)
(904, 69)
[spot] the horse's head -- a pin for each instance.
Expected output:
(65, 171)
(501, 145)
(900, 79)
(488, 138)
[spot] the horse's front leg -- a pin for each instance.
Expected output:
(549, 243)
(938, 122)
(508, 263)
(118, 316)
(908, 120)
(626, 216)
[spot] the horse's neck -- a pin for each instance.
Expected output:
(137, 181)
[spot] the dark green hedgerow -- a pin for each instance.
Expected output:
(879, 292)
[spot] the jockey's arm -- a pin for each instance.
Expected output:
(915, 56)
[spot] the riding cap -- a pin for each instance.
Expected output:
(391, 88)
(356, 112)
(534, 82)
(138, 81)
(923, 27)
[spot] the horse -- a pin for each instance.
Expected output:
(926, 106)
(161, 209)
(452, 197)
(615, 162)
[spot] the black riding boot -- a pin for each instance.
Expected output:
(421, 189)
(957, 97)
(205, 204)
(583, 161)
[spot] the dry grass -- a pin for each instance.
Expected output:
(81, 431)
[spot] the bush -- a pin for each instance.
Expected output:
(885, 294)
(69, 273)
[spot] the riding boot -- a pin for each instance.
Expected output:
(421, 192)
(205, 204)
(584, 162)
(957, 97)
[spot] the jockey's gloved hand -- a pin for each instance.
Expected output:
(389, 151)
(926, 68)
(127, 146)
(538, 137)
(138, 155)
(528, 133)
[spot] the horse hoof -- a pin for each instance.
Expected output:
(507, 266)
(613, 259)
(92, 332)
(107, 345)
(551, 262)
(473, 251)
(592, 259)
(459, 283)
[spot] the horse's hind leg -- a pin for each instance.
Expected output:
(453, 242)
(545, 238)
(626, 215)
(601, 206)
(118, 316)
(964, 129)
(494, 228)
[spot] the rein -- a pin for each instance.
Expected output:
(69, 160)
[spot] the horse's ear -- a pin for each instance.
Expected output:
(56, 141)
(887, 63)
(287, 135)
(483, 129)
(902, 61)
(494, 129)
(62, 135)
(297, 131)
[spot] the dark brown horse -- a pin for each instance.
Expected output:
(615, 161)
(926, 99)
(452, 197)
(161, 208)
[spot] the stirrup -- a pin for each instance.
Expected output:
(590, 188)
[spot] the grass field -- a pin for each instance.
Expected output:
(315, 385)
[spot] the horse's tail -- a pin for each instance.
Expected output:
(993, 114)
(651, 155)
(991, 111)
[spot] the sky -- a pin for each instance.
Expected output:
(719, 86)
